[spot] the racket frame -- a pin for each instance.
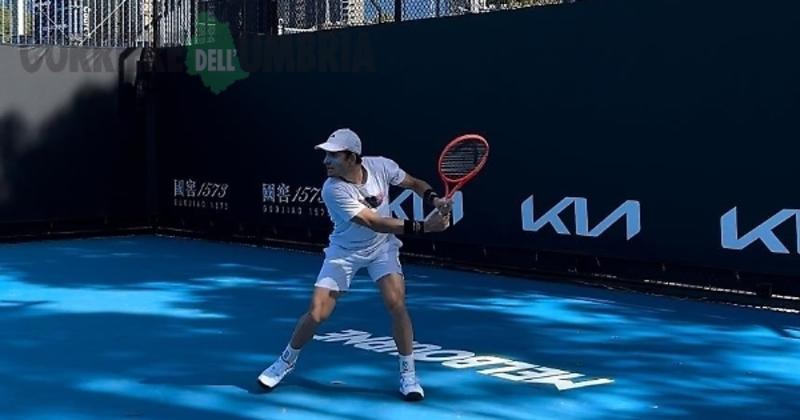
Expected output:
(460, 182)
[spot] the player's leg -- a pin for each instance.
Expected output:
(388, 273)
(333, 280)
(393, 291)
(323, 301)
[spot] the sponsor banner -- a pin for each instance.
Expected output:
(637, 159)
(189, 193)
(296, 200)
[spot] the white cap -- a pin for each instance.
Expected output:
(341, 140)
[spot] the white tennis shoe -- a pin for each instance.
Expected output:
(410, 387)
(275, 373)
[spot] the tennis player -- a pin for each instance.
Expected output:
(356, 196)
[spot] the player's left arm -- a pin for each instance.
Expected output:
(424, 190)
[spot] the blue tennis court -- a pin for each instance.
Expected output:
(158, 327)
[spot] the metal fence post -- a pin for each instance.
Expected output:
(156, 23)
(398, 10)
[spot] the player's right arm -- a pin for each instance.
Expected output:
(342, 203)
(368, 218)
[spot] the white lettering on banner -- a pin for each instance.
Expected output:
(85, 23)
(298, 200)
(284, 191)
(209, 195)
(214, 60)
(229, 54)
(630, 210)
(763, 232)
(506, 369)
(200, 60)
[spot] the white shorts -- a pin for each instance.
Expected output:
(341, 265)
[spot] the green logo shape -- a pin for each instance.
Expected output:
(212, 55)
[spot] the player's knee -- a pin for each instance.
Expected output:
(320, 311)
(319, 315)
(396, 305)
(322, 305)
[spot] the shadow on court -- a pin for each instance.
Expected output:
(150, 327)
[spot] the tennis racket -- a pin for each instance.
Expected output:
(461, 160)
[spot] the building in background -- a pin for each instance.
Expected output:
(352, 12)
(301, 15)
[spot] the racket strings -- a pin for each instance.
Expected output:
(460, 160)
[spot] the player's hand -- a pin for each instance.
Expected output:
(443, 205)
(437, 222)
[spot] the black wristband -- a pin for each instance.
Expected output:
(408, 227)
(429, 195)
(411, 227)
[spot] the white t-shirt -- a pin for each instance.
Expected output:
(344, 200)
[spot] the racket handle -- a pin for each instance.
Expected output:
(450, 193)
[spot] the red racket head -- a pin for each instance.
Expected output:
(461, 160)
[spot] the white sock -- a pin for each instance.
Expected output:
(290, 354)
(407, 363)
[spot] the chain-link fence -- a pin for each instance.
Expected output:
(141, 23)
(311, 15)
(103, 23)
(100, 23)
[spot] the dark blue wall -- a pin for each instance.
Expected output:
(689, 109)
